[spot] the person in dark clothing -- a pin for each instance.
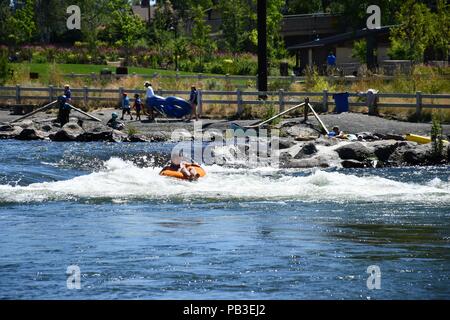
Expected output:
(68, 93)
(193, 99)
(64, 110)
(137, 106)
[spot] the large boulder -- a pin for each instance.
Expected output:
(47, 127)
(69, 132)
(411, 153)
(300, 133)
(355, 151)
(385, 148)
(368, 136)
(314, 162)
(389, 136)
(31, 134)
(95, 136)
(308, 150)
(9, 131)
(26, 124)
(327, 142)
(350, 164)
(285, 143)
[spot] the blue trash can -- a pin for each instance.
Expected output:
(341, 100)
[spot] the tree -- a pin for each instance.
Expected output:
(126, 28)
(359, 50)
(275, 44)
(200, 34)
(238, 21)
(5, 17)
(353, 12)
(163, 24)
(21, 25)
(441, 31)
(50, 17)
(304, 6)
(4, 67)
(414, 32)
(95, 13)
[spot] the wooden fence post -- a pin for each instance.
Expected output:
(50, 93)
(325, 100)
(240, 108)
(200, 103)
(86, 95)
(281, 99)
(418, 104)
(18, 89)
(121, 91)
(306, 110)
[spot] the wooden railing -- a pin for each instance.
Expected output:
(19, 95)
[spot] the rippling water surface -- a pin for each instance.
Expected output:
(236, 234)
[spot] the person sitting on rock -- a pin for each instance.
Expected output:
(113, 123)
(337, 133)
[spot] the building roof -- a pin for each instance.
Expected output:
(143, 12)
(339, 38)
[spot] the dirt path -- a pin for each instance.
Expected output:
(348, 122)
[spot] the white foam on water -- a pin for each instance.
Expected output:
(121, 180)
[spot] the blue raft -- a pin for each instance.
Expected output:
(171, 107)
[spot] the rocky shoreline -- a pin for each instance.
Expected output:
(301, 145)
(299, 148)
(72, 132)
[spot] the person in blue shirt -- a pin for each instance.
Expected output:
(126, 108)
(331, 63)
(67, 93)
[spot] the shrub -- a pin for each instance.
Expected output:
(437, 137)
(4, 68)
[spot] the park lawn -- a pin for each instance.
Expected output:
(43, 69)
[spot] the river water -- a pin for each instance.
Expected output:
(238, 233)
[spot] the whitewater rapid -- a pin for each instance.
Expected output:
(121, 181)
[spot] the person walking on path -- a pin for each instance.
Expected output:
(126, 108)
(137, 106)
(193, 100)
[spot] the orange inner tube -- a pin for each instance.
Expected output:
(177, 174)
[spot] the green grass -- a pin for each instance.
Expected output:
(42, 69)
